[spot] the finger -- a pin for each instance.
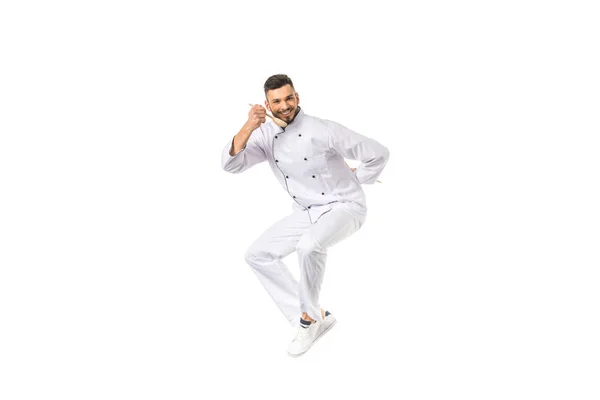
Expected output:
(258, 112)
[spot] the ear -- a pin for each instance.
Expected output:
(297, 98)
(267, 106)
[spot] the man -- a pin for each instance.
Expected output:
(307, 158)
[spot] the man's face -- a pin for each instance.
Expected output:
(283, 103)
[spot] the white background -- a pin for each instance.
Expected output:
(122, 239)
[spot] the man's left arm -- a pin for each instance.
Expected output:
(372, 154)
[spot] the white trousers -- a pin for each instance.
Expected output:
(310, 241)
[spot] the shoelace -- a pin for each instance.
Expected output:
(301, 334)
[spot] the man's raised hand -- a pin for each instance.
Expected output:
(256, 116)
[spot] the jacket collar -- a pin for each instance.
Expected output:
(299, 117)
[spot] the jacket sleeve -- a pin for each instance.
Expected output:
(354, 146)
(250, 155)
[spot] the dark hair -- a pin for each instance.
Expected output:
(277, 81)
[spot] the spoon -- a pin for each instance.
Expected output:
(279, 122)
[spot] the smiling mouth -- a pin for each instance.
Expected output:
(287, 113)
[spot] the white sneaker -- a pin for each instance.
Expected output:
(326, 324)
(307, 335)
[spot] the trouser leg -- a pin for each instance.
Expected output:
(265, 254)
(339, 223)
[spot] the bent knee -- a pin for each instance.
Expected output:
(251, 256)
(308, 246)
(255, 256)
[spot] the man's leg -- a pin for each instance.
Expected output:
(339, 223)
(332, 227)
(265, 254)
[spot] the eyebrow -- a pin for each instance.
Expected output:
(287, 97)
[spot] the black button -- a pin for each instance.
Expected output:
(309, 207)
(276, 160)
(299, 134)
(275, 137)
(287, 177)
(314, 176)
(305, 158)
(323, 194)
(294, 197)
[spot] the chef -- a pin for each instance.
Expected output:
(306, 155)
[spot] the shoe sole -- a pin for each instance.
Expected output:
(316, 338)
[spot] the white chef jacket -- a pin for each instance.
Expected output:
(307, 158)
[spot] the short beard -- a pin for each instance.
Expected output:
(294, 116)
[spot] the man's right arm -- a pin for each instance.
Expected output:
(245, 149)
(240, 140)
